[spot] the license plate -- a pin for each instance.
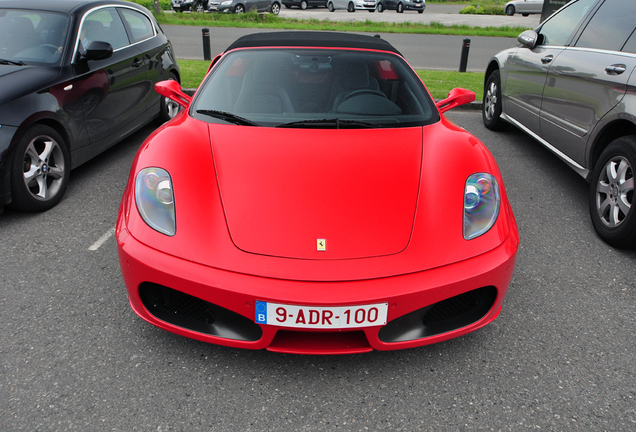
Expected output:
(322, 317)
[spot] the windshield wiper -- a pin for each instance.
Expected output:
(229, 117)
(13, 62)
(335, 123)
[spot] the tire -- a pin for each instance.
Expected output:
(371, 10)
(525, 15)
(330, 7)
(380, 8)
(420, 11)
(351, 7)
(275, 8)
(239, 9)
(40, 170)
(400, 8)
(510, 10)
(612, 194)
(303, 4)
(167, 107)
(288, 6)
(491, 108)
(198, 7)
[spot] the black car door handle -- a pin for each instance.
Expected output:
(547, 59)
(615, 69)
(137, 63)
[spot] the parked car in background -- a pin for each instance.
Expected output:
(241, 6)
(352, 5)
(402, 5)
(523, 7)
(304, 4)
(571, 84)
(338, 211)
(76, 77)
(189, 5)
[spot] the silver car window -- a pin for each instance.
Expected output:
(139, 24)
(610, 26)
(560, 28)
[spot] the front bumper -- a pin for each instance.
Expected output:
(217, 306)
(217, 7)
(366, 5)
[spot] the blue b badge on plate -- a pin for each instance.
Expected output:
(261, 312)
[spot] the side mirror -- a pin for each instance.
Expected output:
(172, 90)
(528, 39)
(98, 50)
(456, 97)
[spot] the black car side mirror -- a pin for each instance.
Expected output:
(528, 39)
(98, 50)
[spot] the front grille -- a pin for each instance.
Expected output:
(189, 312)
(448, 315)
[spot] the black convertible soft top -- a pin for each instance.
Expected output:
(312, 39)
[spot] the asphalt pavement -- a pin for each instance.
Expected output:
(436, 52)
(560, 356)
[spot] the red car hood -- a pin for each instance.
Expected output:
(354, 190)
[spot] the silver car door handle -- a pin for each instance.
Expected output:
(615, 69)
(547, 59)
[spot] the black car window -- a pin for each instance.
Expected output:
(104, 25)
(32, 36)
(138, 23)
(630, 45)
(610, 26)
(560, 28)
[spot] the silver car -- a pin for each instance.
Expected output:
(352, 5)
(571, 84)
(523, 7)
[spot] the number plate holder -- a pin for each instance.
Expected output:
(320, 317)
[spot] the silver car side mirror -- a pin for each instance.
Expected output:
(528, 38)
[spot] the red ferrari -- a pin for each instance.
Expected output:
(311, 198)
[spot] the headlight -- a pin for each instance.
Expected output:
(155, 200)
(481, 204)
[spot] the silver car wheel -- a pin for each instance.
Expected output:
(615, 192)
(172, 108)
(43, 167)
(490, 101)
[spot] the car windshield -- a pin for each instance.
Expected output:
(314, 88)
(30, 36)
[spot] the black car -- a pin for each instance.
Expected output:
(76, 77)
(189, 5)
(401, 5)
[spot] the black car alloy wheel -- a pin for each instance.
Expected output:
(40, 170)
(612, 194)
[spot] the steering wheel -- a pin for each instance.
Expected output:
(363, 91)
(49, 47)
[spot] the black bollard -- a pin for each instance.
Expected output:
(206, 44)
(463, 62)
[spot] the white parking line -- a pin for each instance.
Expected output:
(102, 239)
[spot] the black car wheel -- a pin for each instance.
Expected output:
(420, 11)
(612, 194)
(303, 4)
(491, 108)
(330, 7)
(351, 7)
(275, 8)
(400, 8)
(239, 8)
(168, 107)
(510, 10)
(40, 170)
(198, 7)
(288, 6)
(380, 8)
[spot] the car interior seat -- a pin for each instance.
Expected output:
(262, 91)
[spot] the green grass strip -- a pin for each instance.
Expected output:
(439, 83)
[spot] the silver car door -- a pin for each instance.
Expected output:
(586, 81)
